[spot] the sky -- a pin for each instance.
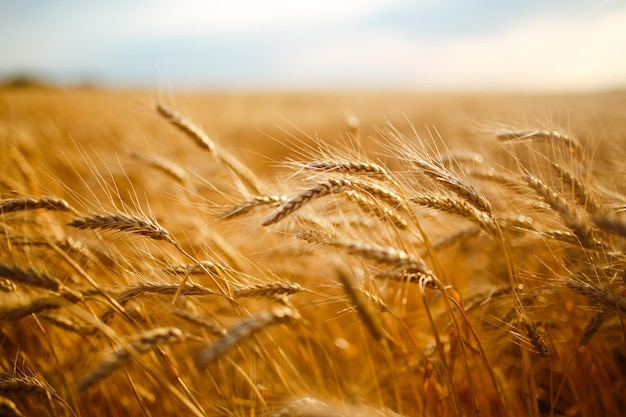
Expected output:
(531, 45)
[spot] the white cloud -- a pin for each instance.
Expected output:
(544, 55)
(578, 54)
(243, 17)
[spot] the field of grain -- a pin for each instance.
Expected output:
(311, 254)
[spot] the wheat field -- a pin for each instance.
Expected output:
(312, 254)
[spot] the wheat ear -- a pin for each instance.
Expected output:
(246, 207)
(168, 167)
(370, 319)
(369, 206)
(198, 268)
(543, 135)
(570, 216)
(7, 285)
(349, 167)
(536, 338)
(332, 186)
(244, 330)
(155, 288)
(459, 207)
(583, 195)
(271, 289)
(25, 385)
(194, 132)
(454, 184)
(143, 343)
(611, 223)
(123, 223)
(12, 385)
(201, 322)
(14, 307)
(68, 324)
(383, 255)
(29, 203)
(30, 277)
(594, 325)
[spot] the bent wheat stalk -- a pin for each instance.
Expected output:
(44, 202)
(543, 135)
(14, 306)
(459, 207)
(371, 321)
(271, 289)
(349, 167)
(454, 184)
(384, 255)
(583, 195)
(121, 222)
(142, 344)
(245, 330)
(332, 186)
(194, 132)
(29, 276)
(13, 385)
(569, 215)
(156, 288)
(611, 223)
(168, 167)
(369, 206)
(246, 207)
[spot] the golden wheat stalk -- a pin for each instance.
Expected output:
(156, 288)
(368, 206)
(248, 206)
(568, 213)
(164, 165)
(201, 322)
(25, 385)
(295, 203)
(29, 276)
(121, 222)
(243, 331)
(457, 206)
(272, 289)
(15, 306)
(594, 325)
(141, 344)
(383, 255)
(371, 321)
(454, 184)
(198, 268)
(583, 194)
(543, 135)
(369, 169)
(30, 386)
(194, 132)
(29, 203)
(611, 223)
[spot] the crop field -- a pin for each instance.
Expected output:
(311, 254)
